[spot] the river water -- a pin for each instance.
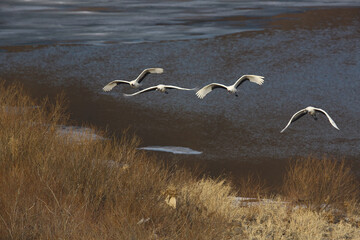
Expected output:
(308, 51)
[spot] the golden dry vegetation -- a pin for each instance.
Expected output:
(55, 186)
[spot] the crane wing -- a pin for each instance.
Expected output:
(328, 116)
(208, 88)
(108, 87)
(295, 117)
(179, 88)
(252, 78)
(147, 71)
(142, 91)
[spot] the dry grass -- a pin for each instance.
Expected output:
(52, 187)
(251, 186)
(281, 221)
(319, 183)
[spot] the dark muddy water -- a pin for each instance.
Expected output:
(308, 51)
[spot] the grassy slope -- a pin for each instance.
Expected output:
(52, 187)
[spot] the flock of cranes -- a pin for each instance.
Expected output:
(201, 93)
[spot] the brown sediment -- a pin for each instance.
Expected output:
(23, 48)
(32, 47)
(310, 19)
(234, 19)
(316, 19)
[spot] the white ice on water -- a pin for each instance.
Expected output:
(171, 149)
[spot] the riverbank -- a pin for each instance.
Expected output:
(55, 187)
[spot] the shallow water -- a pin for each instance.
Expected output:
(111, 21)
(308, 55)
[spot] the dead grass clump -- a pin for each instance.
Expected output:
(207, 205)
(320, 183)
(251, 186)
(210, 197)
(277, 220)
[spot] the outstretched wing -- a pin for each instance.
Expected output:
(147, 71)
(208, 88)
(328, 116)
(179, 88)
(252, 78)
(295, 117)
(142, 91)
(114, 83)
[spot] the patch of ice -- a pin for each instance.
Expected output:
(171, 149)
(78, 134)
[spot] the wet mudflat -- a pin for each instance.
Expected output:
(308, 57)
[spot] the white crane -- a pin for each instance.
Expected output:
(134, 83)
(312, 111)
(161, 88)
(232, 88)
